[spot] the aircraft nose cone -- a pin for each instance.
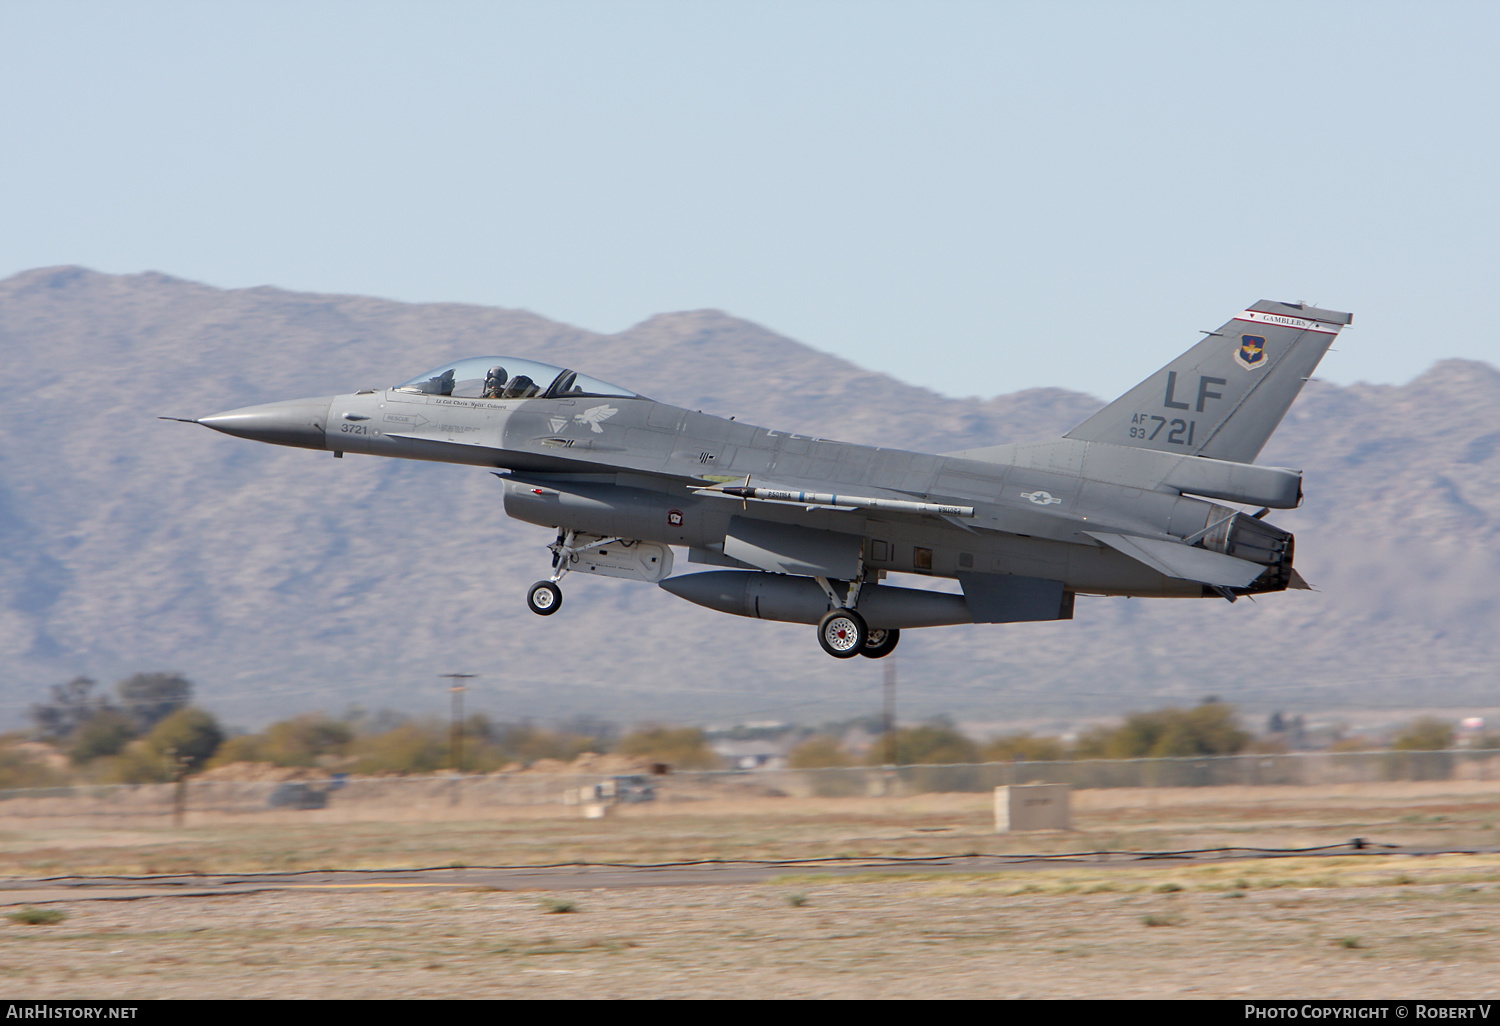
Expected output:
(299, 422)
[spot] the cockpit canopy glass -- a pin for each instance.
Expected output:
(503, 377)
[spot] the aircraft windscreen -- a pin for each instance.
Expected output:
(504, 377)
(573, 383)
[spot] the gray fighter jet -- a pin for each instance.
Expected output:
(811, 529)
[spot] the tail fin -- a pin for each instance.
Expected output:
(1223, 397)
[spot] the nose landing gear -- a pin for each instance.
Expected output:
(545, 597)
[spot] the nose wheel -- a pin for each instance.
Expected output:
(544, 598)
(842, 633)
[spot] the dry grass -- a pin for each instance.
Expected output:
(1351, 925)
(850, 938)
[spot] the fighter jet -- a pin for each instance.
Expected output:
(809, 530)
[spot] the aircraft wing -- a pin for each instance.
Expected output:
(1184, 562)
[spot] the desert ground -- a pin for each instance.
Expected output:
(1415, 914)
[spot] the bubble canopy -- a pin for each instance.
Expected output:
(504, 377)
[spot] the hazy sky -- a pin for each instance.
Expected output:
(977, 197)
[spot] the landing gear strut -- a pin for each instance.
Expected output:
(843, 633)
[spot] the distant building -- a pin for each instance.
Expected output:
(762, 754)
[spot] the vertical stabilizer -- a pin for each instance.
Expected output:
(1224, 397)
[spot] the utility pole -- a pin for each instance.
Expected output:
(890, 724)
(456, 737)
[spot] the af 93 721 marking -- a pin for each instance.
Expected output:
(1142, 426)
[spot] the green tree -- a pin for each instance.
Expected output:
(189, 736)
(304, 740)
(928, 744)
(1024, 748)
(409, 748)
(1424, 735)
(679, 747)
(149, 698)
(1207, 729)
(311, 739)
(521, 742)
(20, 767)
(106, 733)
(69, 707)
(139, 763)
(819, 752)
(240, 748)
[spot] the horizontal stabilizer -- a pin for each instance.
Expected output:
(1276, 487)
(1184, 562)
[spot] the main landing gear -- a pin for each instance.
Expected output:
(881, 642)
(545, 597)
(844, 634)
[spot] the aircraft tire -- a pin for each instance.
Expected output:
(544, 598)
(842, 633)
(880, 643)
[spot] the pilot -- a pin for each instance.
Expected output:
(494, 383)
